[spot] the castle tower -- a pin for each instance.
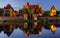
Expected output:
(8, 10)
(40, 10)
(33, 11)
(53, 11)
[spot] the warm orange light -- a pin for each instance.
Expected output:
(53, 11)
(51, 14)
(35, 23)
(35, 18)
(28, 32)
(40, 32)
(53, 28)
(11, 27)
(26, 6)
(40, 14)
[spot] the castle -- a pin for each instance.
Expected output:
(28, 11)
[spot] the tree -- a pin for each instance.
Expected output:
(58, 13)
(46, 13)
(1, 11)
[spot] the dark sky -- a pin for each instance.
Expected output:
(18, 4)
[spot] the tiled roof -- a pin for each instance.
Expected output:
(33, 6)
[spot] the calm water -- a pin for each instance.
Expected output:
(29, 30)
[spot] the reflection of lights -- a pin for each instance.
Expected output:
(53, 28)
(35, 18)
(35, 23)
(40, 32)
(28, 33)
(11, 27)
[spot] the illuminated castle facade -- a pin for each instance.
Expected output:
(9, 11)
(28, 11)
(32, 11)
(53, 11)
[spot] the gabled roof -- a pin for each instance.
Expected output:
(8, 7)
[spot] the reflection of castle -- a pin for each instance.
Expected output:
(28, 28)
(53, 29)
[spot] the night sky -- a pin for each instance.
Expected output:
(18, 4)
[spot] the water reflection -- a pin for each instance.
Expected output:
(53, 29)
(41, 30)
(28, 28)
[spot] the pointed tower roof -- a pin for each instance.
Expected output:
(53, 7)
(27, 3)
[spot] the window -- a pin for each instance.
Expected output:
(7, 12)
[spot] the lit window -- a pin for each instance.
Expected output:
(40, 14)
(53, 28)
